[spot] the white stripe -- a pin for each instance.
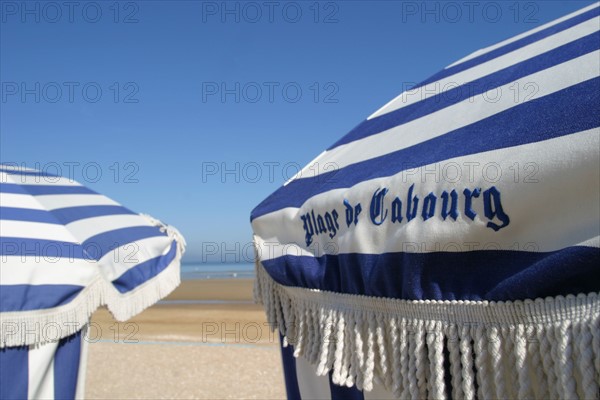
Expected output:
(36, 180)
(566, 172)
(55, 201)
(41, 371)
(75, 232)
(33, 270)
(19, 201)
(84, 229)
(523, 35)
(123, 258)
(310, 384)
(36, 230)
(16, 167)
(457, 116)
(593, 242)
(415, 95)
(303, 171)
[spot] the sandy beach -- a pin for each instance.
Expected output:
(207, 340)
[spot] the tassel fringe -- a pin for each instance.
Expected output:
(543, 348)
(43, 326)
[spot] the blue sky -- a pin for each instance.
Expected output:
(195, 111)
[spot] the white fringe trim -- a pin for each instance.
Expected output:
(44, 326)
(543, 348)
(170, 230)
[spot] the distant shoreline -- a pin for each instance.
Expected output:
(211, 271)
(222, 289)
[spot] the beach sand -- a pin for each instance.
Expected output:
(181, 349)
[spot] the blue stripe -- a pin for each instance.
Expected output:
(14, 372)
(61, 216)
(35, 297)
(66, 366)
(49, 249)
(568, 111)
(145, 271)
(289, 371)
(37, 190)
(12, 188)
(344, 392)
(71, 214)
(562, 26)
(99, 245)
(450, 97)
(474, 275)
(27, 214)
(93, 248)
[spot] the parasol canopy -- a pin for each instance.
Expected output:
(448, 246)
(65, 251)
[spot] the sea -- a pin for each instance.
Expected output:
(191, 271)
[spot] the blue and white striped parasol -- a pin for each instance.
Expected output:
(448, 246)
(66, 250)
